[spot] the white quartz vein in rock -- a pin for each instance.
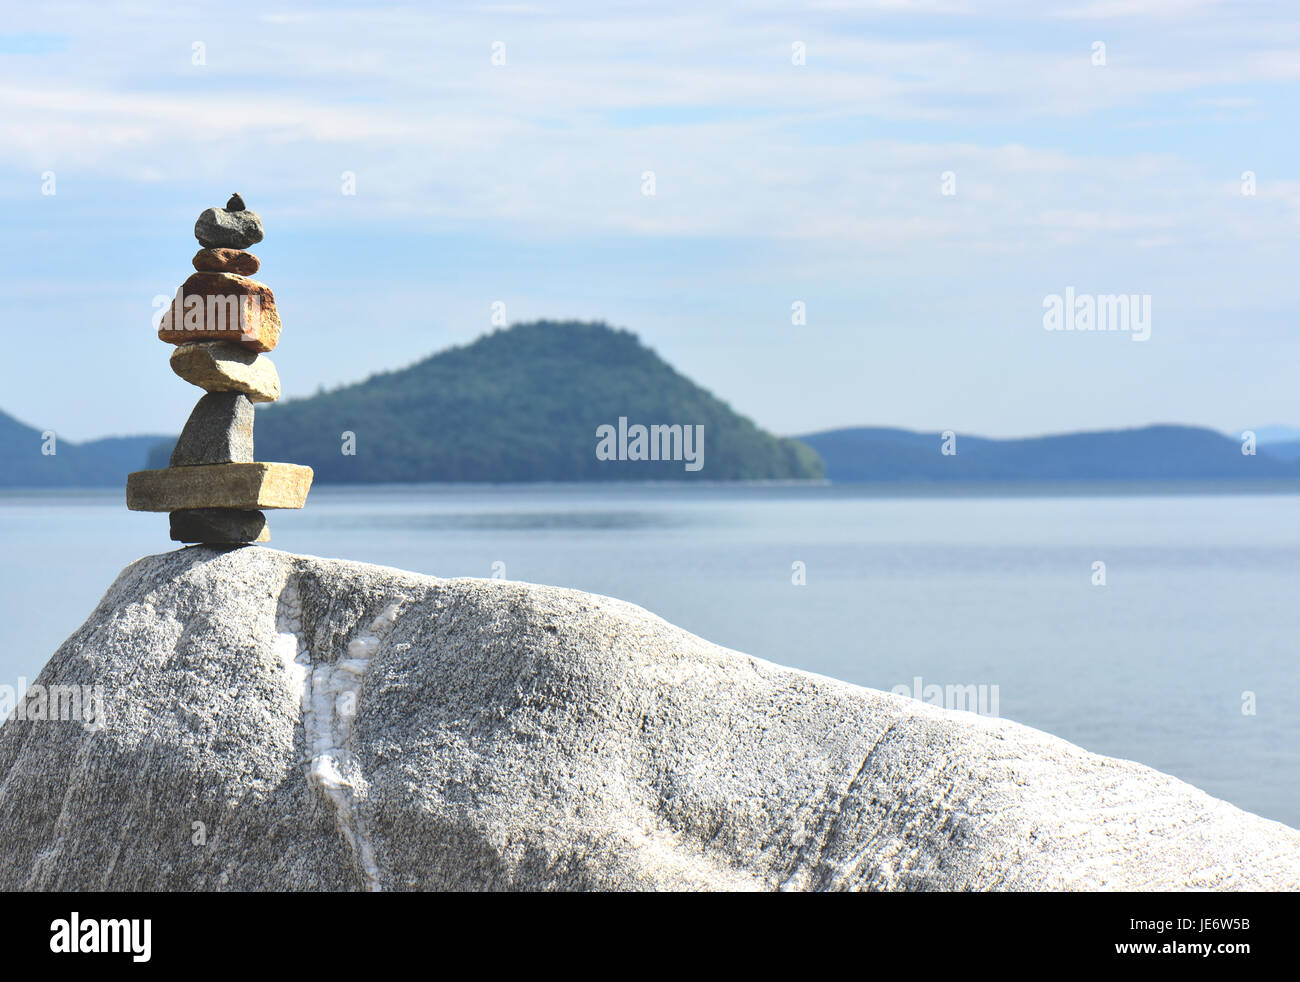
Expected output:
(329, 693)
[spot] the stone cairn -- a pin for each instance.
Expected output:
(222, 322)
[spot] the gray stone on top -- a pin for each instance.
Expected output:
(219, 431)
(341, 726)
(218, 228)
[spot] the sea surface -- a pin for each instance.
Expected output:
(1186, 658)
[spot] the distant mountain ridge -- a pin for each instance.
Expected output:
(1164, 452)
(1289, 450)
(528, 403)
(95, 463)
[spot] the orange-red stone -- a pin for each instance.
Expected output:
(222, 307)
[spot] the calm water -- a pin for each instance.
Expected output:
(1200, 603)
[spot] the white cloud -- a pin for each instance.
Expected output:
(409, 99)
(823, 179)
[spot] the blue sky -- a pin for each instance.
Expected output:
(774, 183)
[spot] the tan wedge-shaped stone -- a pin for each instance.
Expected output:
(248, 487)
(225, 367)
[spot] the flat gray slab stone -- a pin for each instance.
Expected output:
(248, 487)
(331, 725)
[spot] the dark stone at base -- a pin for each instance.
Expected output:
(219, 431)
(219, 526)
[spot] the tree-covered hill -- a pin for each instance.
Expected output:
(521, 404)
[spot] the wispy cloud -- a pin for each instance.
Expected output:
(826, 171)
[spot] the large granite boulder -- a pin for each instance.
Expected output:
(273, 721)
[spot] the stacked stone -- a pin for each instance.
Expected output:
(222, 323)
